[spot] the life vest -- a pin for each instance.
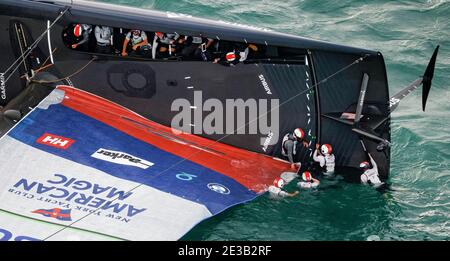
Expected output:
(136, 39)
(104, 35)
(307, 185)
(371, 176)
(276, 192)
(105, 32)
(287, 137)
(329, 163)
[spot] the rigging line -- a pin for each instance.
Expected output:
(48, 57)
(216, 141)
(34, 44)
(38, 70)
(22, 58)
(70, 75)
(43, 66)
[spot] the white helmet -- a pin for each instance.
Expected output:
(278, 182)
(326, 149)
(299, 133)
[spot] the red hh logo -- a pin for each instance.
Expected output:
(55, 141)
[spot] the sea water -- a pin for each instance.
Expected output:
(418, 205)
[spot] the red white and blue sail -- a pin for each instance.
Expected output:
(79, 167)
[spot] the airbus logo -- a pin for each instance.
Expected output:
(121, 158)
(219, 188)
(265, 84)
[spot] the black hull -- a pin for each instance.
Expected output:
(166, 81)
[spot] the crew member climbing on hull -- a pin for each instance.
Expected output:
(370, 175)
(326, 160)
(289, 146)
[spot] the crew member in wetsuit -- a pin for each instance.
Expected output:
(370, 175)
(103, 35)
(195, 47)
(289, 145)
(139, 43)
(276, 191)
(164, 45)
(326, 160)
(81, 33)
(308, 181)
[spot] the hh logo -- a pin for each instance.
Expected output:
(55, 141)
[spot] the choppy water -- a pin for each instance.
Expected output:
(406, 32)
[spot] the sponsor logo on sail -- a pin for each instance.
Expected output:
(2, 86)
(60, 214)
(6, 235)
(121, 158)
(219, 188)
(55, 141)
(60, 197)
(185, 176)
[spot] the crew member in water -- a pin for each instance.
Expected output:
(289, 145)
(276, 191)
(370, 174)
(103, 35)
(139, 43)
(308, 181)
(81, 33)
(326, 159)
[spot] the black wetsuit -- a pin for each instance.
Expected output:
(289, 147)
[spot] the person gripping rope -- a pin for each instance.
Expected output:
(289, 145)
(326, 160)
(276, 191)
(370, 175)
